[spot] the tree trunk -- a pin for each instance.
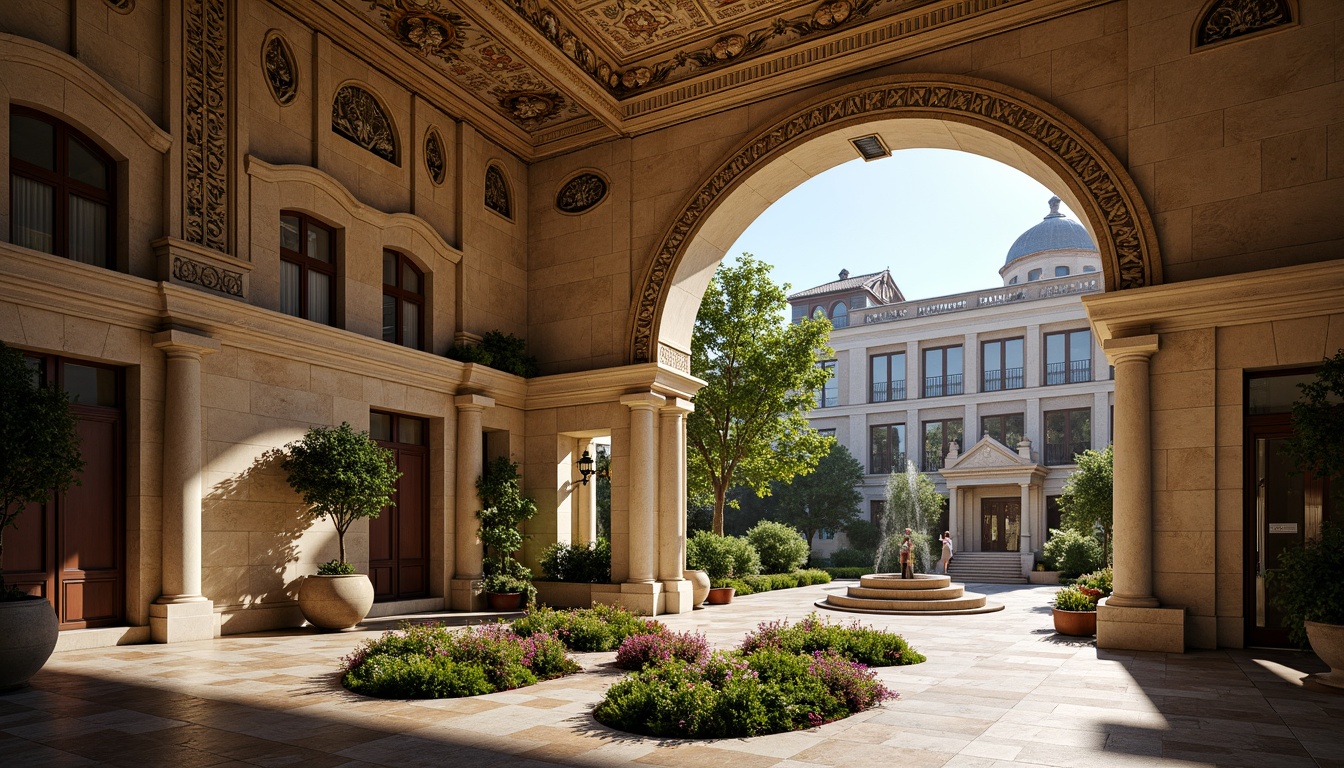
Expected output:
(340, 542)
(720, 497)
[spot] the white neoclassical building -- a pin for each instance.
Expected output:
(991, 392)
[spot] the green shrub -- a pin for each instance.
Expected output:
(600, 628)
(813, 576)
(1075, 599)
(1309, 584)
(335, 568)
(740, 586)
(1071, 553)
(874, 647)
(846, 557)
(578, 563)
(722, 556)
(759, 583)
(501, 351)
(781, 548)
(783, 581)
(1099, 580)
(848, 572)
(433, 662)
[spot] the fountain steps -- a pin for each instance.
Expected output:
(924, 594)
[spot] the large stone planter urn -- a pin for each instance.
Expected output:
(699, 586)
(1076, 623)
(1327, 640)
(336, 602)
(27, 638)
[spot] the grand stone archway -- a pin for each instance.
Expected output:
(976, 115)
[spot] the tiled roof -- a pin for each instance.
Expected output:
(841, 286)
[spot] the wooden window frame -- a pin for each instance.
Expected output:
(1003, 359)
(905, 392)
(923, 434)
(1069, 414)
(1070, 376)
(889, 460)
(402, 295)
(945, 385)
(306, 262)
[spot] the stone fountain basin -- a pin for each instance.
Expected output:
(894, 581)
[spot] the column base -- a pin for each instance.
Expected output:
(181, 622)
(677, 596)
(1140, 629)
(1128, 601)
(641, 597)
(466, 595)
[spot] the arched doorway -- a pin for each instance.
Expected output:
(906, 111)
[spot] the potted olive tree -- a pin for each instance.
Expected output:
(345, 476)
(39, 456)
(1308, 584)
(507, 582)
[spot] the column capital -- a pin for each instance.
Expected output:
(1130, 348)
(473, 402)
(178, 342)
(677, 406)
(643, 401)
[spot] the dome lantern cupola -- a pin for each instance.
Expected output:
(1054, 233)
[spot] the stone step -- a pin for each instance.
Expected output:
(967, 601)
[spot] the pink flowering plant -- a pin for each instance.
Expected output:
(874, 647)
(600, 628)
(641, 651)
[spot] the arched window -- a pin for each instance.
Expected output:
(819, 313)
(1034, 274)
(1089, 268)
(307, 268)
(1013, 281)
(61, 183)
(840, 315)
(1061, 271)
(403, 301)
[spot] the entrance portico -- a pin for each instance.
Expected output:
(985, 485)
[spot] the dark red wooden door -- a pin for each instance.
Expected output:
(399, 536)
(1000, 525)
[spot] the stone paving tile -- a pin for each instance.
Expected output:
(998, 690)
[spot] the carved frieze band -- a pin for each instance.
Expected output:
(674, 359)
(206, 276)
(1122, 224)
(205, 122)
(1228, 19)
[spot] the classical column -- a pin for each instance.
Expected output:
(672, 505)
(470, 464)
(182, 612)
(1133, 504)
(1024, 523)
(643, 468)
(953, 515)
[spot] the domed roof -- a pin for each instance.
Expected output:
(1054, 233)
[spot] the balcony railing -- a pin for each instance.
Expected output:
(938, 386)
(1072, 372)
(1008, 378)
(883, 464)
(883, 392)
(1063, 453)
(933, 461)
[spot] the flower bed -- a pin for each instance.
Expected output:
(600, 628)
(784, 678)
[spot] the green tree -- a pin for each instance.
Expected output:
(826, 499)
(1317, 443)
(749, 425)
(341, 474)
(906, 504)
(39, 450)
(1086, 501)
(505, 508)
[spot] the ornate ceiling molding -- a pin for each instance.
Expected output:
(1110, 201)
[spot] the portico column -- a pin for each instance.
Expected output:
(672, 505)
(1024, 524)
(182, 612)
(643, 469)
(953, 515)
(1133, 510)
(470, 464)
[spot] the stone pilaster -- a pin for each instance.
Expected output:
(641, 591)
(1025, 524)
(470, 463)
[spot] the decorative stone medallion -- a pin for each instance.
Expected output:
(424, 27)
(531, 105)
(357, 116)
(581, 193)
(497, 192)
(1228, 19)
(277, 61)
(435, 160)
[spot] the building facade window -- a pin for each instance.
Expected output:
(886, 377)
(938, 438)
(1061, 271)
(1053, 516)
(942, 371)
(829, 394)
(1068, 357)
(840, 315)
(886, 448)
(877, 509)
(1067, 433)
(1013, 281)
(1033, 275)
(826, 433)
(60, 184)
(1089, 268)
(403, 301)
(307, 268)
(1006, 428)
(1001, 365)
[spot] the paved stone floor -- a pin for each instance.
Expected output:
(999, 689)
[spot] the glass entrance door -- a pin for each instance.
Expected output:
(1000, 525)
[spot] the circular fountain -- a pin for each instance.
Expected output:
(926, 593)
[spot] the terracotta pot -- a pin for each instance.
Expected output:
(27, 637)
(700, 586)
(504, 601)
(720, 595)
(1327, 640)
(1077, 623)
(335, 602)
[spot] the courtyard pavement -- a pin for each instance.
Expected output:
(999, 689)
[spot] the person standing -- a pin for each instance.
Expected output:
(907, 556)
(946, 561)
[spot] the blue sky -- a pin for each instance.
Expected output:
(941, 220)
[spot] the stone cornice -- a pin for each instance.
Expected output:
(609, 385)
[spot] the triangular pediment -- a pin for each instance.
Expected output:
(989, 453)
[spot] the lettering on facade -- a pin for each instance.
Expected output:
(885, 316)
(941, 308)
(1064, 289)
(1005, 297)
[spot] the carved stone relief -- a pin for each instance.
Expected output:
(581, 193)
(122, 6)
(435, 160)
(674, 359)
(205, 86)
(1124, 229)
(497, 192)
(357, 116)
(206, 276)
(1228, 19)
(282, 73)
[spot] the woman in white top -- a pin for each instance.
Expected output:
(946, 561)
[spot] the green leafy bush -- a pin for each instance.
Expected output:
(874, 647)
(335, 568)
(722, 556)
(501, 351)
(740, 586)
(814, 576)
(848, 572)
(1309, 583)
(1101, 580)
(845, 557)
(1071, 553)
(433, 662)
(1076, 599)
(781, 548)
(578, 563)
(600, 628)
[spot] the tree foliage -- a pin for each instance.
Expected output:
(1317, 443)
(39, 450)
(749, 425)
(826, 499)
(504, 509)
(341, 474)
(1087, 499)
